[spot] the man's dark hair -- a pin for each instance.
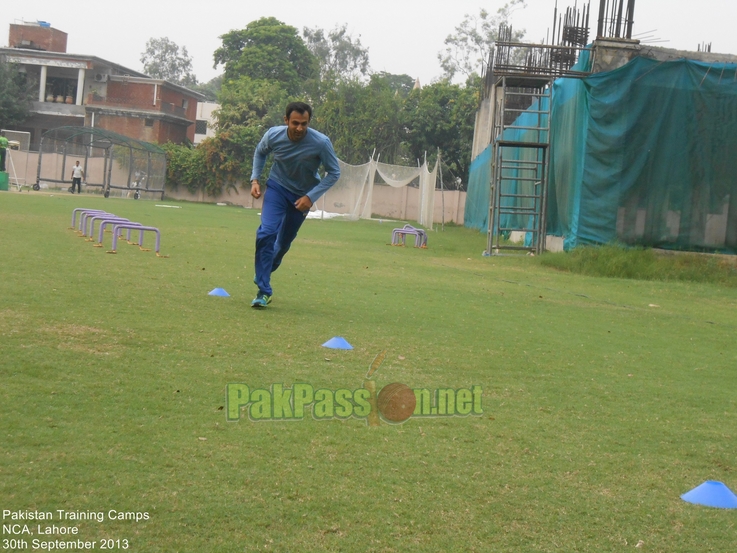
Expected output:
(299, 107)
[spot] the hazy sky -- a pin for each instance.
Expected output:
(403, 36)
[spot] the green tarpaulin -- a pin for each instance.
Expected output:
(645, 154)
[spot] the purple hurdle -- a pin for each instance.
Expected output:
(83, 220)
(399, 235)
(82, 209)
(107, 217)
(113, 222)
(140, 229)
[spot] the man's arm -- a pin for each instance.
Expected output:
(332, 172)
(259, 160)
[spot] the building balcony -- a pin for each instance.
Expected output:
(57, 108)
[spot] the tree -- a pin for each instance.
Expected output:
(16, 94)
(341, 57)
(359, 118)
(247, 108)
(400, 84)
(468, 49)
(210, 89)
(442, 116)
(163, 59)
(267, 49)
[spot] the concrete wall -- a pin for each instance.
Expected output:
(205, 113)
(610, 54)
(484, 125)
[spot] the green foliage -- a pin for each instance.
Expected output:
(164, 59)
(400, 84)
(247, 101)
(617, 261)
(441, 116)
(267, 49)
(16, 94)
(268, 63)
(248, 108)
(186, 166)
(341, 57)
(210, 89)
(467, 51)
(359, 118)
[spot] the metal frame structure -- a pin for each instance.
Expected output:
(145, 162)
(520, 79)
(520, 167)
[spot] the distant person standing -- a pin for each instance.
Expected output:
(292, 188)
(3, 149)
(77, 175)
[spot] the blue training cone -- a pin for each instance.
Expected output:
(337, 343)
(712, 494)
(218, 292)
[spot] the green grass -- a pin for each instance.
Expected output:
(645, 264)
(604, 399)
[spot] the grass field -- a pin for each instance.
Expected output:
(604, 400)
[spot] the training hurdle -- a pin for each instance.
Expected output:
(140, 229)
(80, 210)
(113, 222)
(107, 217)
(88, 217)
(82, 231)
(399, 235)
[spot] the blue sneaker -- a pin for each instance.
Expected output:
(261, 300)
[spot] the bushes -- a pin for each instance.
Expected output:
(211, 166)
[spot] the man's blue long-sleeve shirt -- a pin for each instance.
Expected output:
(296, 163)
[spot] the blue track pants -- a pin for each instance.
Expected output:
(280, 222)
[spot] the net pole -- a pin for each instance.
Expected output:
(442, 192)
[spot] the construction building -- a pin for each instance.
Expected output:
(613, 140)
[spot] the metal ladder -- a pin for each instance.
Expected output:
(520, 159)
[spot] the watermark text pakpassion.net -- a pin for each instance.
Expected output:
(394, 403)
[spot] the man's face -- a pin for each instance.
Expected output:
(297, 124)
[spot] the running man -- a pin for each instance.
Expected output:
(292, 188)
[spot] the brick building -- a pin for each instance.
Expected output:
(83, 90)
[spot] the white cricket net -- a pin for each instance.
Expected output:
(353, 194)
(345, 195)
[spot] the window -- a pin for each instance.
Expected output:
(149, 122)
(200, 126)
(185, 104)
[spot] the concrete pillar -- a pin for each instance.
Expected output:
(42, 85)
(80, 87)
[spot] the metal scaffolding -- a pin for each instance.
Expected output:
(520, 80)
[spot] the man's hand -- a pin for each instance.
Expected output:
(255, 189)
(303, 204)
